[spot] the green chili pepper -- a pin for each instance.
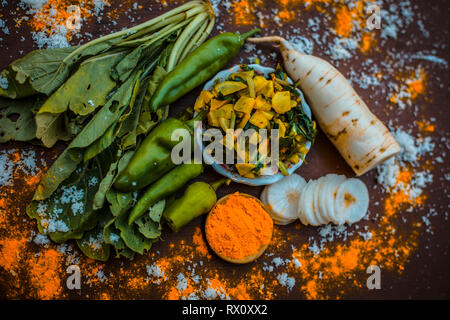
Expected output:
(164, 187)
(199, 66)
(153, 158)
(199, 198)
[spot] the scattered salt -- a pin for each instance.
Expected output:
(296, 263)
(51, 226)
(278, 261)
(99, 5)
(71, 195)
(96, 242)
(41, 239)
(114, 238)
(182, 283)
(301, 44)
(6, 169)
(412, 149)
(25, 162)
(3, 26)
(93, 181)
(314, 248)
(215, 6)
(33, 5)
(366, 235)
(57, 40)
(155, 271)
(286, 281)
(339, 50)
(101, 276)
(429, 57)
(213, 293)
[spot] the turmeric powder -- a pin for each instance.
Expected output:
(243, 12)
(411, 87)
(238, 227)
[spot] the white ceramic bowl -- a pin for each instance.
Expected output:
(223, 169)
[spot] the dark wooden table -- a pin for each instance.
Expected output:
(419, 269)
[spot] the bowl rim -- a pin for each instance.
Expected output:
(235, 176)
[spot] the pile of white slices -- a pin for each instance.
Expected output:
(331, 198)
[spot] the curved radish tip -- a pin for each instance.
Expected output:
(283, 42)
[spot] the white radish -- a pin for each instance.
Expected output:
(352, 200)
(360, 137)
(282, 198)
(263, 198)
(301, 205)
(306, 202)
(325, 195)
(330, 200)
(319, 214)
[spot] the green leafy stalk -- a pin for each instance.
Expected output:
(181, 42)
(43, 71)
(193, 42)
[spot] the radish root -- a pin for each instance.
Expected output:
(279, 40)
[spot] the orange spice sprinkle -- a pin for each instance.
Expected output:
(416, 86)
(399, 198)
(201, 246)
(347, 18)
(10, 250)
(243, 12)
(412, 86)
(368, 41)
(46, 266)
(338, 264)
(58, 13)
(343, 21)
(289, 9)
(426, 126)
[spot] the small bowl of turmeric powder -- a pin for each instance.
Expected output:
(238, 228)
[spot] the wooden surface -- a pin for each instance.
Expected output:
(425, 273)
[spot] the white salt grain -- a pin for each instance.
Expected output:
(41, 239)
(286, 281)
(182, 282)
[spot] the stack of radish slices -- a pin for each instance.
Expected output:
(331, 198)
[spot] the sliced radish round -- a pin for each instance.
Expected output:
(352, 200)
(283, 197)
(307, 203)
(319, 213)
(301, 205)
(263, 198)
(330, 200)
(324, 194)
